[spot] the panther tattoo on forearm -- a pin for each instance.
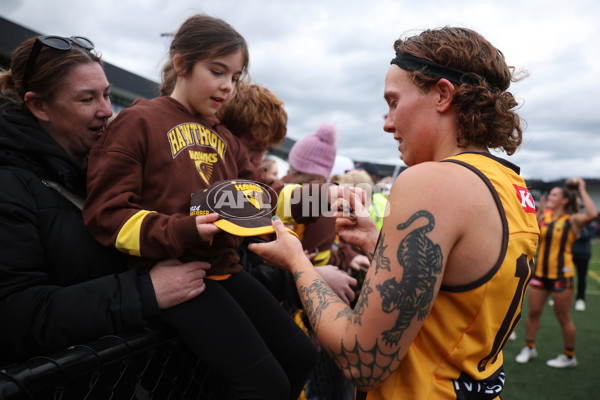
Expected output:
(421, 261)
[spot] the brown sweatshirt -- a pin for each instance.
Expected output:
(142, 173)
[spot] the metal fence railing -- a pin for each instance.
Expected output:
(145, 365)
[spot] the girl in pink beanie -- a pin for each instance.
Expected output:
(315, 154)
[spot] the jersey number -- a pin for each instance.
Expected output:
(523, 272)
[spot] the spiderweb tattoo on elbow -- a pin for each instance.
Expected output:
(365, 367)
(421, 261)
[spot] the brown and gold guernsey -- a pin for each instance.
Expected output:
(458, 352)
(554, 259)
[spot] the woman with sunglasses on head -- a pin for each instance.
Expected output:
(452, 260)
(58, 285)
(560, 224)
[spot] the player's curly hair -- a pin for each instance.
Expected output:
(486, 111)
(255, 112)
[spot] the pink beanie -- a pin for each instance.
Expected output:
(315, 154)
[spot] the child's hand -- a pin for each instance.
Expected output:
(360, 263)
(340, 282)
(206, 229)
(311, 255)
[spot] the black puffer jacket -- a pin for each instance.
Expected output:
(58, 286)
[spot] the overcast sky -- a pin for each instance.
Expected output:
(326, 59)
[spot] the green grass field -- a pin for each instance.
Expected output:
(535, 380)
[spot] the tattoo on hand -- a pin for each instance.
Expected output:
(421, 261)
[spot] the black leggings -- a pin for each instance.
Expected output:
(581, 264)
(238, 328)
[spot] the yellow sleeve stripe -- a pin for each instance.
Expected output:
(128, 239)
(284, 208)
(322, 258)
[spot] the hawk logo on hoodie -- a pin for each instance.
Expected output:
(188, 134)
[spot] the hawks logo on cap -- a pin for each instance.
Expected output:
(245, 207)
(255, 198)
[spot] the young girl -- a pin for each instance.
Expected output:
(141, 174)
(269, 165)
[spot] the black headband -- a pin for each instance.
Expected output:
(409, 62)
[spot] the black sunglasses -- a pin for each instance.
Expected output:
(55, 42)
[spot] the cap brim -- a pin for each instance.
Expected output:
(237, 230)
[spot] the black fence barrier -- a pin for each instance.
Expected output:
(143, 365)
